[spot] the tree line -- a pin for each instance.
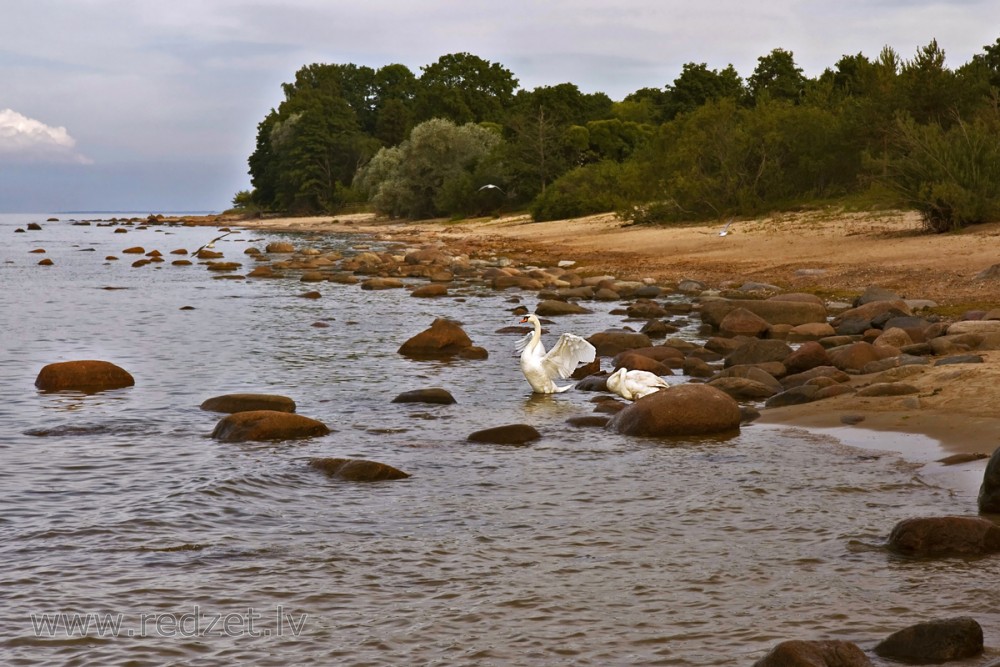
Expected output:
(911, 132)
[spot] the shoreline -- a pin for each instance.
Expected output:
(835, 256)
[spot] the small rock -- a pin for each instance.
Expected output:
(263, 425)
(512, 434)
(230, 403)
(86, 375)
(357, 470)
(433, 395)
(936, 641)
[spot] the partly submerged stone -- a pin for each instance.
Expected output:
(263, 425)
(85, 375)
(231, 403)
(357, 470)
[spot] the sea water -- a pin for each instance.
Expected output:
(130, 536)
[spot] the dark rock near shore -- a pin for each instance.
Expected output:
(444, 338)
(798, 395)
(87, 375)
(554, 308)
(989, 490)
(511, 434)
(945, 536)
(357, 470)
(932, 642)
(591, 421)
(682, 410)
(612, 343)
(231, 403)
(435, 395)
(808, 355)
(800, 653)
(264, 425)
(756, 351)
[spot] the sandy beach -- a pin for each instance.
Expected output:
(835, 255)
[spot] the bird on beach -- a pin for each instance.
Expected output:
(542, 368)
(725, 230)
(633, 385)
(211, 244)
(490, 186)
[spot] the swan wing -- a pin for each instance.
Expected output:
(569, 351)
(642, 383)
(523, 342)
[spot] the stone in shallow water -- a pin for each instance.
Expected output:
(85, 375)
(357, 470)
(231, 403)
(264, 425)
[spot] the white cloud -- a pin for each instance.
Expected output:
(29, 140)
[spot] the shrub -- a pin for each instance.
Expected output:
(952, 177)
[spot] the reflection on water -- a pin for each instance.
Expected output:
(584, 548)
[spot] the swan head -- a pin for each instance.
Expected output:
(615, 379)
(530, 319)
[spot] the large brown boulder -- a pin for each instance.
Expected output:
(945, 536)
(612, 342)
(510, 434)
(989, 490)
(554, 307)
(742, 322)
(830, 653)
(682, 410)
(854, 356)
(808, 355)
(87, 375)
(757, 351)
(774, 312)
(357, 470)
(444, 338)
(670, 356)
(263, 425)
(435, 395)
(744, 389)
(640, 362)
(934, 642)
(231, 403)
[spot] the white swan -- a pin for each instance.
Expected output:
(633, 385)
(541, 369)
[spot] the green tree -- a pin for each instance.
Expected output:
(697, 85)
(777, 77)
(464, 88)
(309, 148)
(430, 174)
(395, 92)
(929, 89)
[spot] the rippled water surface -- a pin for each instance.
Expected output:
(585, 548)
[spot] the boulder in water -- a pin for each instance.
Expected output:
(264, 425)
(88, 375)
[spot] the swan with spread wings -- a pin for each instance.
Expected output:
(542, 368)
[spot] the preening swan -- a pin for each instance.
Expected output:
(633, 385)
(541, 369)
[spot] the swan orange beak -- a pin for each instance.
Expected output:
(524, 319)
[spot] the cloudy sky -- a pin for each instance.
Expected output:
(153, 106)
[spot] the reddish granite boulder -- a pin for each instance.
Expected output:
(945, 536)
(231, 403)
(87, 375)
(444, 338)
(357, 470)
(799, 653)
(687, 409)
(262, 425)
